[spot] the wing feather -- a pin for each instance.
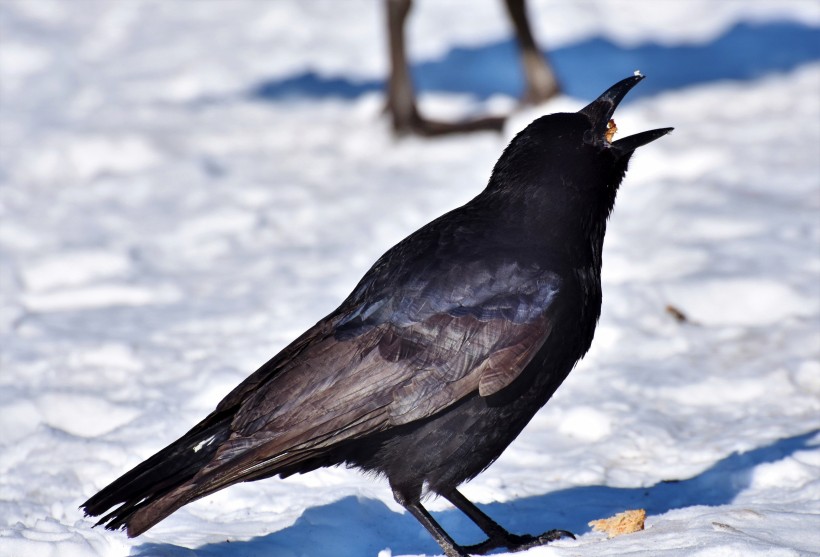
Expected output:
(387, 370)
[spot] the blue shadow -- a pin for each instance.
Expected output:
(747, 51)
(353, 526)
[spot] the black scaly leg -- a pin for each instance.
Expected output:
(414, 506)
(497, 536)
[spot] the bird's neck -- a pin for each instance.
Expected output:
(570, 226)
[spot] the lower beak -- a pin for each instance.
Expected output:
(631, 142)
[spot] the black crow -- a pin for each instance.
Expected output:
(442, 354)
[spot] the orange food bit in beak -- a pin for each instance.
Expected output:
(611, 128)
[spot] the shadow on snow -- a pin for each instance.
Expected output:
(746, 51)
(352, 527)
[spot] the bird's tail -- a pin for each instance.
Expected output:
(138, 495)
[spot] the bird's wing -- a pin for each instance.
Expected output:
(445, 358)
(389, 361)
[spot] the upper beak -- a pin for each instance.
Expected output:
(600, 113)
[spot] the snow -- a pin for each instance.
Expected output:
(170, 217)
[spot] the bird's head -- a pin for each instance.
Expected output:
(570, 159)
(599, 127)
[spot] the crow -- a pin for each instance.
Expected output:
(440, 356)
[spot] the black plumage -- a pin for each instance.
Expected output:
(439, 357)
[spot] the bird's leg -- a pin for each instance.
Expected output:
(497, 535)
(414, 506)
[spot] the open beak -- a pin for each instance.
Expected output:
(600, 113)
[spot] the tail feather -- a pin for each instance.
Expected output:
(143, 511)
(143, 515)
(168, 469)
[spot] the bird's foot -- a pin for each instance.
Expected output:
(514, 542)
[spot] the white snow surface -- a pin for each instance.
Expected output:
(155, 249)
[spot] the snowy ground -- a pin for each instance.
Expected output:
(185, 187)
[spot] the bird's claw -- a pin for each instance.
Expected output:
(514, 542)
(553, 535)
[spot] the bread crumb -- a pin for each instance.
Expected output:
(622, 523)
(679, 316)
(611, 128)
